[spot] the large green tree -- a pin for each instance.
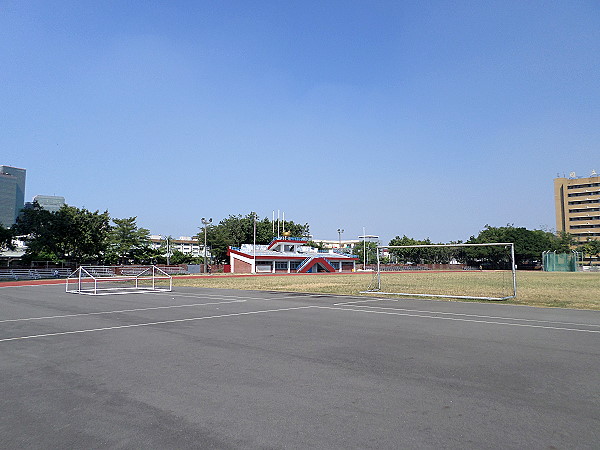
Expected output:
(591, 249)
(178, 257)
(529, 244)
(127, 243)
(418, 255)
(6, 238)
(370, 254)
(70, 233)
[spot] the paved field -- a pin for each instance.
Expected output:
(201, 368)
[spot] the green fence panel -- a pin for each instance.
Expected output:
(560, 262)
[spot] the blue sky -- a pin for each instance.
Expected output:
(425, 118)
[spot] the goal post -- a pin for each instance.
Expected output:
(464, 271)
(104, 280)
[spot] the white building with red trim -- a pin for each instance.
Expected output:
(288, 255)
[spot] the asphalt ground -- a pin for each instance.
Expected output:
(205, 368)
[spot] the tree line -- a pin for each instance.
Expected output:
(80, 236)
(528, 247)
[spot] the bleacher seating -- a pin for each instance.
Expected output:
(33, 274)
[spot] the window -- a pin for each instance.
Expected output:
(584, 226)
(583, 194)
(281, 265)
(583, 210)
(263, 266)
(579, 186)
(583, 202)
(573, 219)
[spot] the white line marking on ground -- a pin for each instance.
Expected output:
(350, 309)
(360, 301)
(98, 313)
(458, 319)
(148, 324)
(167, 294)
(354, 305)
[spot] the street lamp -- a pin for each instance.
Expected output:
(254, 244)
(168, 252)
(365, 248)
(340, 231)
(206, 224)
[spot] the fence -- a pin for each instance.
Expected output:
(409, 267)
(560, 262)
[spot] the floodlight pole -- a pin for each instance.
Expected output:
(168, 252)
(254, 246)
(364, 249)
(340, 231)
(206, 224)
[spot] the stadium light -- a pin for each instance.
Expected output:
(254, 245)
(168, 252)
(340, 231)
(206, 224)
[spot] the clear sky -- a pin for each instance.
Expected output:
(425, 118)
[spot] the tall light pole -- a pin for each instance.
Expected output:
(168, 252)
(364, 248)
(206, 224)
(340, 231)
(254, 245)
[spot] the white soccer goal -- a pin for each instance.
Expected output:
(464, 271)
(104, 280)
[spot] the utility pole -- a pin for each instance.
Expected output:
(206, 224)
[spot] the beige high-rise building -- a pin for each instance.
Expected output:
(577, 204)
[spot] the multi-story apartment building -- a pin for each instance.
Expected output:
(185, 244)
(12, 194)
(343, 243)
(577, 204)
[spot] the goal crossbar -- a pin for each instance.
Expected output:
(446, 245)
(376, 287)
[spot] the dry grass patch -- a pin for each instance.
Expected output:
(551, 289)
(579, 290)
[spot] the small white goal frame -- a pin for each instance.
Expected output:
(376, 286)
(101, 280)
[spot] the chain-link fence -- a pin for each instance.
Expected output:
(560, 262)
